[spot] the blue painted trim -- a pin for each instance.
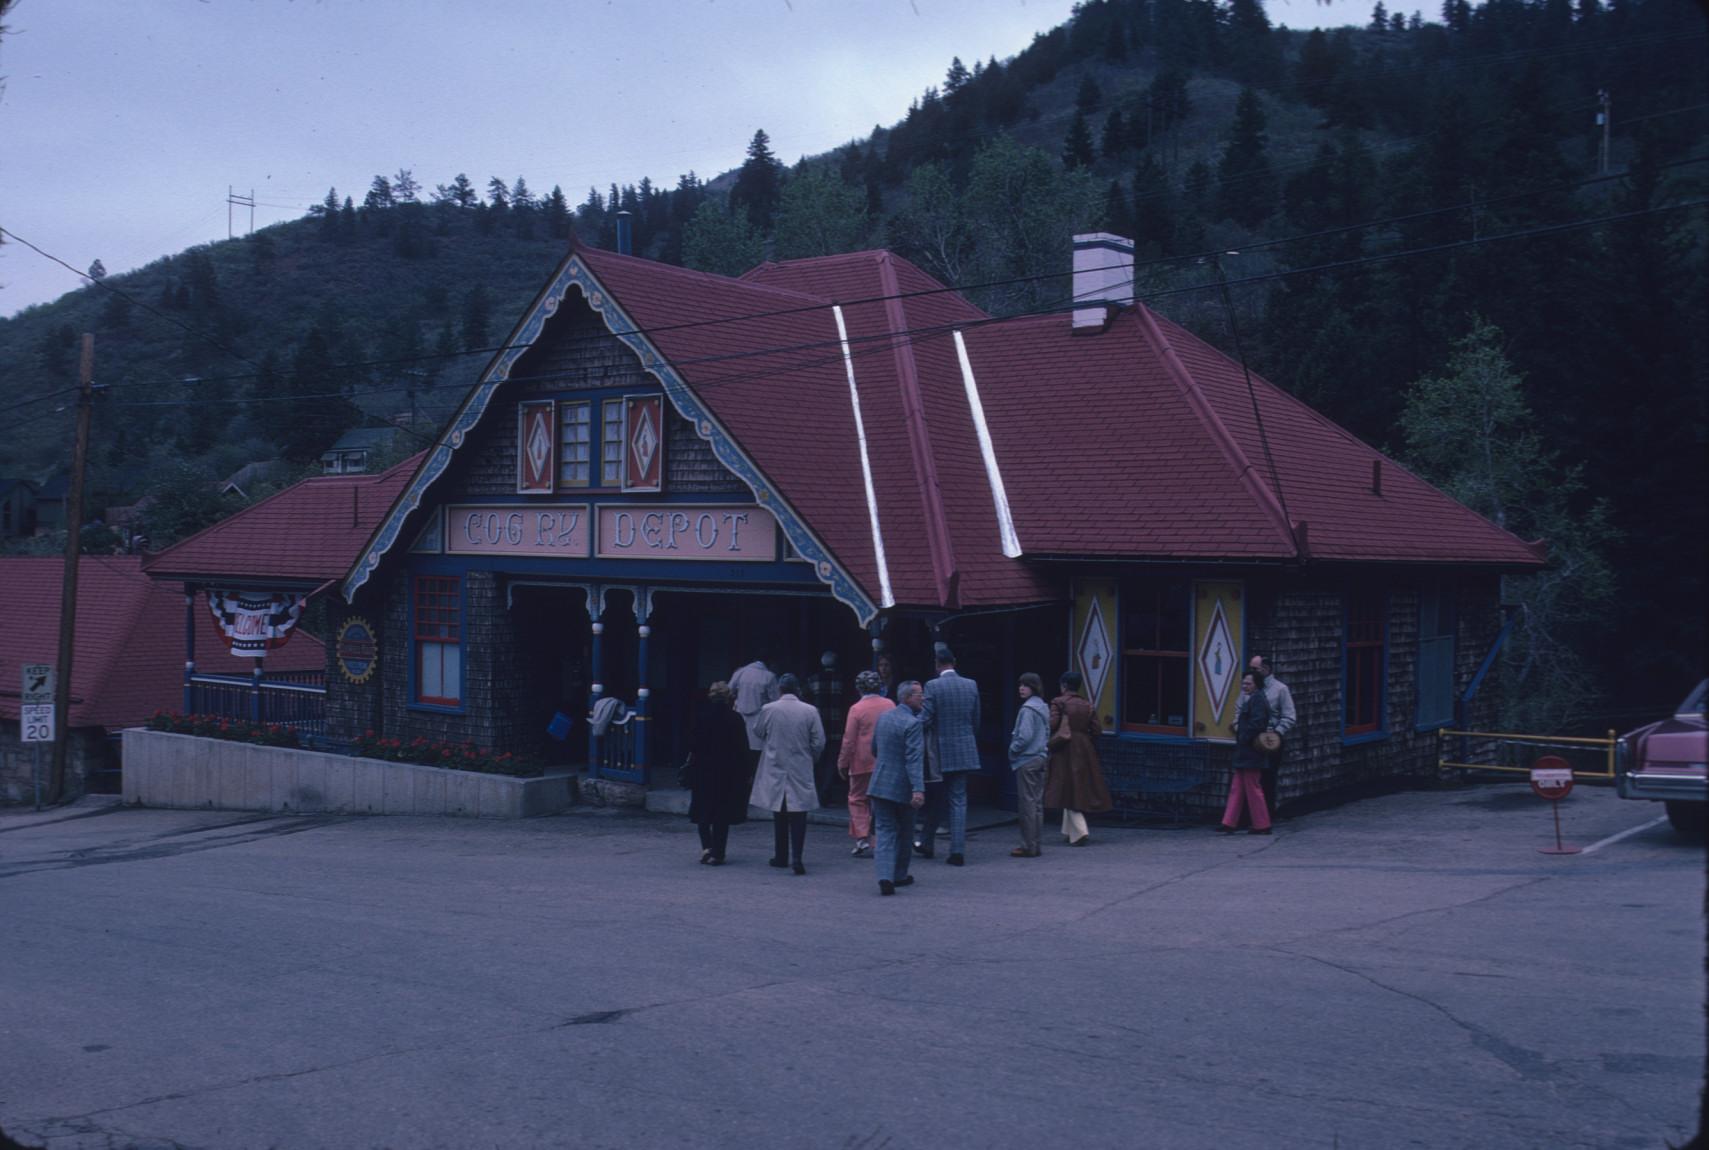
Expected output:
(1366, 737)
(574, 272)
(1472, 688)
(1164, 740)
(411, 703)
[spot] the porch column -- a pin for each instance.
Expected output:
(643, 612)
(877, 644)
(255, 691)
(595, 609)
(189, 648)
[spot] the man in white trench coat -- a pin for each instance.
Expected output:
(792, 738)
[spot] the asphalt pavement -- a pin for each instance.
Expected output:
(1404, 971)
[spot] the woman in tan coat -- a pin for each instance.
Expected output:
(1076, 781)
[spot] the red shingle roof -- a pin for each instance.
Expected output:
(1135, 442)
(129, 655)
(310, 532)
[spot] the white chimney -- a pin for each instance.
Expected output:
(1103, 276)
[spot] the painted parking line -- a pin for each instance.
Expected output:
(1596, 846)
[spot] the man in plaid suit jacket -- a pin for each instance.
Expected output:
(950, 718)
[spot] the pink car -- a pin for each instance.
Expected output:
(1665, 762)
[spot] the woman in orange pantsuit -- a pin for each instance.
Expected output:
(855, 760)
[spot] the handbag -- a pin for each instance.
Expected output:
(1063, 735)
(1267, 742)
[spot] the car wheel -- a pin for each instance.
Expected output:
(1688, 818)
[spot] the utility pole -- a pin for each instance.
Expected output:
(1605, 121)
(68, 587)
(231, 197)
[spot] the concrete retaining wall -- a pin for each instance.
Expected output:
(183, 771)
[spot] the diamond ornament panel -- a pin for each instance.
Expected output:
(1217, 662)
(645, 440)
(1093, 652)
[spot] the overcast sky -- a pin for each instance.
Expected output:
(123, 123)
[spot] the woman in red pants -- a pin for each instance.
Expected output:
(1251, 719)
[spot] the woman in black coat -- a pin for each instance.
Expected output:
(717, 769)
(1251, 719)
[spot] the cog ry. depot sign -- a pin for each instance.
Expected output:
(717, 532)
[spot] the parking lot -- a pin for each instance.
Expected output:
(1400, 971)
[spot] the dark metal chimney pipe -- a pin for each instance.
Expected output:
(623, 226)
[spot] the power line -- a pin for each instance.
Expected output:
(817, 306)
(103, 284)
(881, 342)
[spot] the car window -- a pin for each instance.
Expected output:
(1694, 702)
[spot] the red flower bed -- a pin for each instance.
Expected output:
(456, 756)
(224, 727)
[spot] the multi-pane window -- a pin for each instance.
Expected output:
(611, 444)
(1363, 693)
(575, 444)
(438, 640)
(1156, 637)
(1435, 658)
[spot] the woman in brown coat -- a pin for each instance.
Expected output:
(1076, 781)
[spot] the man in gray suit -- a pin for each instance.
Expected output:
(950, 717)
(897, 788)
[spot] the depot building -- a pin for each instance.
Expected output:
(666, 474)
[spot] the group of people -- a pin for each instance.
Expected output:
(904, 752)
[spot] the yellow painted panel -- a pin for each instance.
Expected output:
(1092, 644)
(1219, 638)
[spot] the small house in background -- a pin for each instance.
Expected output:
(357, 449)
(243, 482)
(17, 508)
(128, 662)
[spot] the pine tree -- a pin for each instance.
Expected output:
(1379, 18)
(460, 193)
(1114, 140)
(1077, 145)
(1245, 185)
(379, 195)
(405, 189)
(759, 183)
(557, 213)
(1154, 209)
(498, 194)
(97, 271)
(956, 79)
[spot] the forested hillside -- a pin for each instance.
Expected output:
(1425, 229)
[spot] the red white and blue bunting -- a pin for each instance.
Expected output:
(256, 622)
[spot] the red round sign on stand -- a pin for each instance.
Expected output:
(1552, 779)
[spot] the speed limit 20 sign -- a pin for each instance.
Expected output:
(36, 721)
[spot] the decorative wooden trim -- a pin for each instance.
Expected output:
(574, 272)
